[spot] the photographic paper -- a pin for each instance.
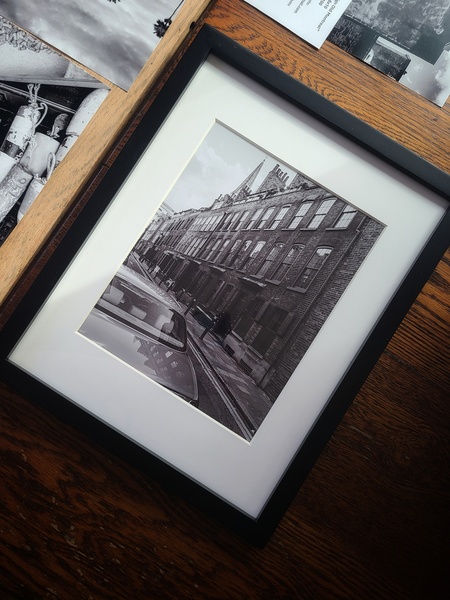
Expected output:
(231, 281)
(408, 40)
(46, 101)
(114, 38)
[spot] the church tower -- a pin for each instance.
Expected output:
(246, 186)
(242, 190)
(275, 181)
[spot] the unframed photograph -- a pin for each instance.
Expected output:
(114, 38)
(408, 40)
(46, 101)
(231, 281)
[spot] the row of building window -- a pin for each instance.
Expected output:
(275, 265)
(268, 218)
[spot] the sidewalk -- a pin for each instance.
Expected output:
(248, 397)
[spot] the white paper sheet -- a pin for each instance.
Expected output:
(311, 20)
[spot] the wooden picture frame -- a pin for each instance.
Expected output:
(19, 251)
(251, 499)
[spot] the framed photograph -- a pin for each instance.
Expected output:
(232, 280)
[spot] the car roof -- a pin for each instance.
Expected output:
(121, 341)
(149, 286)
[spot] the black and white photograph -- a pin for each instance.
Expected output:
(46, 101)
(408, 40)
(231, 281)
(114, 38)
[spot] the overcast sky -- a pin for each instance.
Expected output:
(220, 165)
(431, 81)
(115, 40)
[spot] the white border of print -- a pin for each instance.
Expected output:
(242, 473)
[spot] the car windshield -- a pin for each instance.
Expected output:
(143, 312)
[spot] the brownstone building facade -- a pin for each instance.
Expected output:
(274, 261)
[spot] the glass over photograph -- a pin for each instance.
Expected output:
(232, 279)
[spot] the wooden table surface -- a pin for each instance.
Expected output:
(372, 518)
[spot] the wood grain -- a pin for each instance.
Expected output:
(368, 94)
(370, 522)
(73, 175)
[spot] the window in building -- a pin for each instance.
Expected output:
(271, 321)
(207, 223)
(312, 268)
(238, 305)
(212, 251)
(346, 217)
(193, 244)
(253, 255)
(242, 219)
(199, 245)
(216, 249)
(214, 222)
(279, 216)
(237, 258)
(207, 247)
(265, 217)
(273, 317)
(189, 245)
(229, 256)
(282, 270)
(233, 220)
(266, 265)
(247, 318)
(220, 301)
(254, 218)
(321, 213)
(299, 215)
(226, 222)
(223, 250)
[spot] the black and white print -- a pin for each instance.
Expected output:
(231, 281)
(408, 40)
(114, 38)
(46, 101)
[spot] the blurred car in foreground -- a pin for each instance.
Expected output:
(142, 325)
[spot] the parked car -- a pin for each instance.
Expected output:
(143, 326)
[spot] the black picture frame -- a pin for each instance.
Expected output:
(206, 43)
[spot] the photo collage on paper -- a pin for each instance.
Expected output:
(231, 281)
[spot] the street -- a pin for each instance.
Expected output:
(226, 393)
(211, 401)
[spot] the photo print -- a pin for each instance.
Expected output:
(114, 38)
(231, 281)
(408, 40)
(46, 101)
